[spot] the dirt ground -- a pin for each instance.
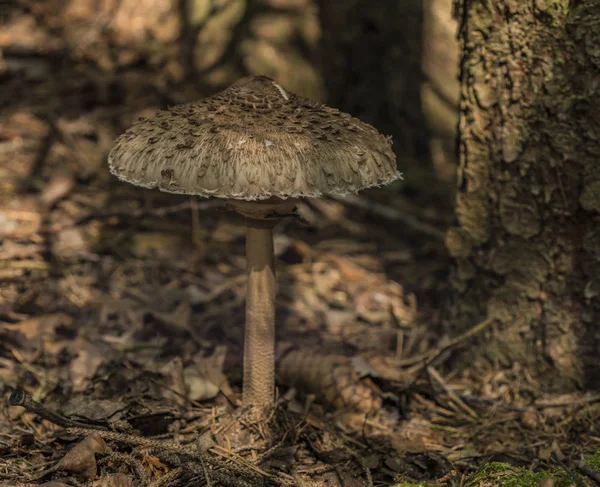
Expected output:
(122, 313)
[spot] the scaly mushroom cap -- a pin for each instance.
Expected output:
(252, 141)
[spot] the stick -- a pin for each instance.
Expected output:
(435, 375)
(590, 471)
(391, 214)
(433, 355)
(20, 398)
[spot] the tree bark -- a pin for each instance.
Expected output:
(527, 243)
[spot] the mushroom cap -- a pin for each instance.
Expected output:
(253, 141)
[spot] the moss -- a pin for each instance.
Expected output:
(498, 474)
(505, 475)
(593, 460)
(418, 484)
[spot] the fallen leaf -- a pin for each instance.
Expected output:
(90, 355)
(153, 464)
(177, 388)
(81, 459)
(200, 388)
(95, 410)
(205, 377)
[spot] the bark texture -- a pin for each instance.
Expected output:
(527, 244)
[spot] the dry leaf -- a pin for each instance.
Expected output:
(177, 389)
(205, 377)
(96, 410)
(200, 388)
(153, 464)
(81, 459)
(90, 355)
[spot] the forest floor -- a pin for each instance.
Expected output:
(121, 329)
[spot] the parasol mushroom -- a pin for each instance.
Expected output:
(261, 148)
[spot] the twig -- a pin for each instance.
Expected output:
(575, 480)
(319, 470)
(430, 357)
(392, 214)
(263, 457)
(589, 471)
(20, 398)
(158, 445)
(568, 400)
(227, 480)
(491, 402)
(168, 478)
(140, 212)
(229, 455)
(134, 464)
(435, 375)
(433, 355)
(222, 288)
(205, 472)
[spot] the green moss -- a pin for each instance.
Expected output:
(504, 475)
(497, 474)
(418, 484)
(593, 459)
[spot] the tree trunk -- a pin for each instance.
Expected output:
(440, 91)
(527, 244)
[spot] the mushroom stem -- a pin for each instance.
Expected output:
(259, 342)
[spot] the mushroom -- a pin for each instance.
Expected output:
(260, 147)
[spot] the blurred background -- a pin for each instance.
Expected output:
(393, 64)
(77, 73)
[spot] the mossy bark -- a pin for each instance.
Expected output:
(527, 243)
